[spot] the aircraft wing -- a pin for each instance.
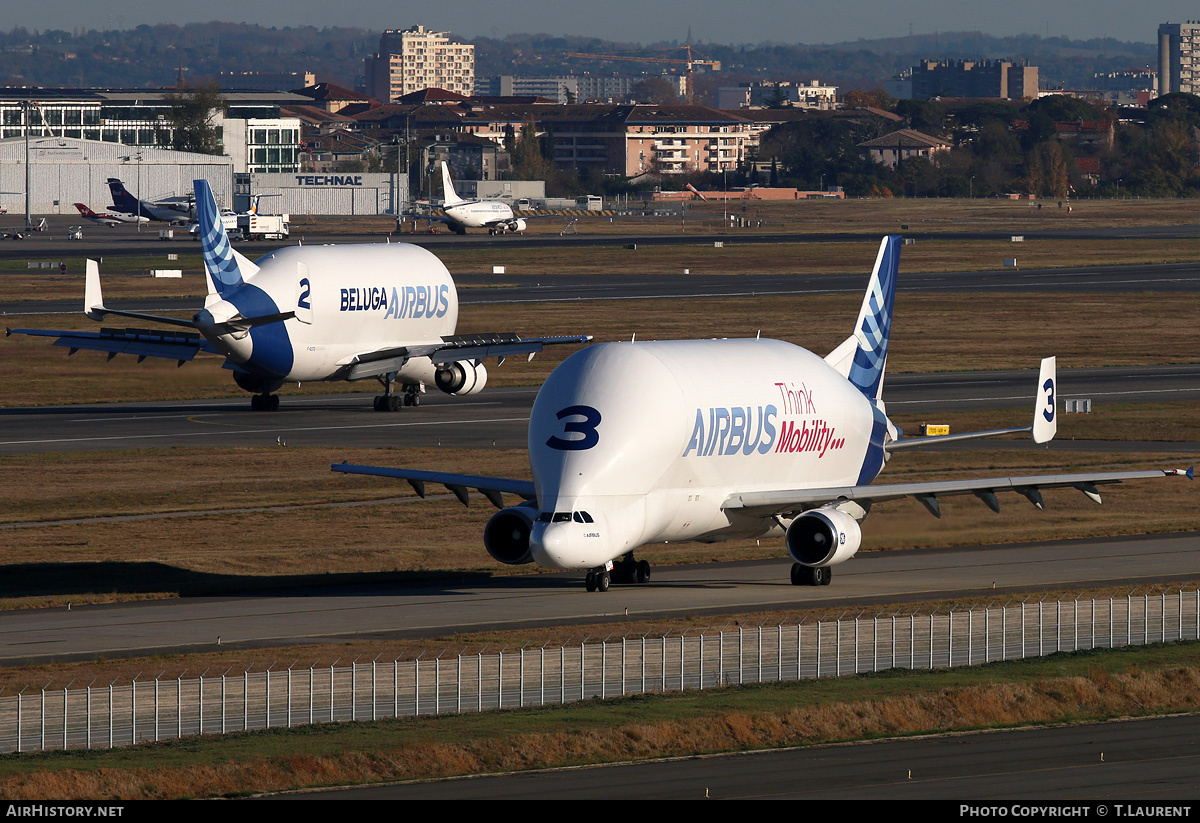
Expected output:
(143, 343)
(490, 487)
(788, 501)
(453, 348)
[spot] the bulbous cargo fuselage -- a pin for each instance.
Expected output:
(347, 300)
(646, 441)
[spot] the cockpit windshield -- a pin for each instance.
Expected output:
(565, 517)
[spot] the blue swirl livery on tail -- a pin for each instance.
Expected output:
(227, 270)
(874, 325)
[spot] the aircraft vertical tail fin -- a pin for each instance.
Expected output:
(226, 269)
(873, 328)
(1045, 415)
(122, 200)
(449, 196)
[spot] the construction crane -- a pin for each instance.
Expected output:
(690, 62)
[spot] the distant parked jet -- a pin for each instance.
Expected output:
(108, 218)
(163, 211)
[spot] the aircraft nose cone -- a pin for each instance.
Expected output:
(549, 543)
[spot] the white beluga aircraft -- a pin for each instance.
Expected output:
(710, 440)
(495, 216)
(314, 313)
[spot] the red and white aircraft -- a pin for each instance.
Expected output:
(108, 218)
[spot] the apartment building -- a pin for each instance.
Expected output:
(810, 95)
(1004, 79)
(414, 59)
(1179, 57)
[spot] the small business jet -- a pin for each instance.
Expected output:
(108, 218)
(710, 440)
(176, 211)
(313, 313)
(495, 216)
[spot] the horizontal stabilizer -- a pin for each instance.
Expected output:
(1043, 427)
(238, 323)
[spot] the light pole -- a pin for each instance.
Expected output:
(28, 106)
(972, 197)
(137, 215)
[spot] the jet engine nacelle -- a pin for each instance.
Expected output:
(517, 225)
(823, 537)
(506, 535)
(461, 378)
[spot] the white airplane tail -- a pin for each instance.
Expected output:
(449, 196)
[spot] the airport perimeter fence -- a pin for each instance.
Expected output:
(161, 710)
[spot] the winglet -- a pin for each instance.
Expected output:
(93, 299)
(874, 325)
(449, 196)
(1045, 416)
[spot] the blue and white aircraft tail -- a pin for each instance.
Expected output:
(227, 269)
(862, 358)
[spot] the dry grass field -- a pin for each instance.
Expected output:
(170, 523)
(931, 333)
(127, 278)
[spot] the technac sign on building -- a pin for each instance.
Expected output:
(330, 179)
(330, 193)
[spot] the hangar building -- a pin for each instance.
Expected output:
(65, 170)
(345, 193)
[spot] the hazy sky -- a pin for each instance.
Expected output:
(724, 21)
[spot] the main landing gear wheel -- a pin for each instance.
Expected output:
(264, 402)
(809, 576)
(630, 570)
(389, 402)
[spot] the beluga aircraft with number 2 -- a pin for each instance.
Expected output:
(710, 440)
(315, 313)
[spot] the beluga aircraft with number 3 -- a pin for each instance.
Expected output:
(709, 440)
(315, 313)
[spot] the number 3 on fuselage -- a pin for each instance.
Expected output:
(587, 427)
